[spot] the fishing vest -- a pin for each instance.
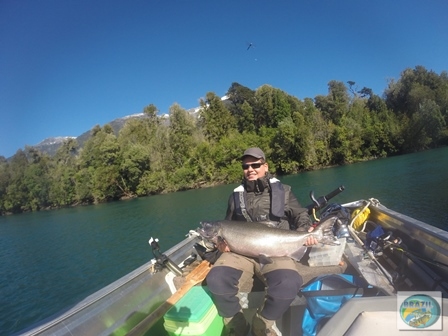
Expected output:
(277, 203)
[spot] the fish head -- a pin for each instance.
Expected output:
(210, 230)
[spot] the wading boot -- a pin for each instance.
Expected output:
(264, 327)
(236, 325)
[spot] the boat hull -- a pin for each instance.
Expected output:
(121, 306)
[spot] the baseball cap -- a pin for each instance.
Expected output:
(255, 152)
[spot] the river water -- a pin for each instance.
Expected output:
(53, 259)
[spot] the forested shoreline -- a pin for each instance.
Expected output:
(152, 155)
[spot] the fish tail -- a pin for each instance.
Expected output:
(325, 231)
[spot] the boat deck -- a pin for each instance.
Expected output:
(364, 265)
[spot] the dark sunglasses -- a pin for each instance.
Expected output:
(253, 165)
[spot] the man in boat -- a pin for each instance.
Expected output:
(260, 198)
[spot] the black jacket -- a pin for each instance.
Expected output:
(259, 200)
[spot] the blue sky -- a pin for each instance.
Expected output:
(66, 65)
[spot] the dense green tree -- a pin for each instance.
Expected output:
(242, 103)
(5, 179)
(215, 119)
(388, 133)
(107, 181)
(37, 182)
(151, 112)
(442, 96)
(263, 107)
(304, 152)
(203, 163)
(100, 162)
(62, 188)
(238, 94)
(409, 97)
(376, 104)
(285, 148)
(135, 162)
(405, 95)
(155, 180)
(27, 187)
(423, 128)
(246, 118)
(335, 104)
(181, 135)
(271, 108)
(137, 131)
(382, 127)
(320, 130)
(359, 122)
(152, 154)
(281, 108)
(16, 191)
(84, 185)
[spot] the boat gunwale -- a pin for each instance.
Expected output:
(97, 296)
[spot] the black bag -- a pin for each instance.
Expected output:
(211, 256)
(337, 210)
(340, 229)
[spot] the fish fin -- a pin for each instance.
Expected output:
(297, 255)
(332, 241)
(264, 259)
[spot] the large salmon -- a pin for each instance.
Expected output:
(261, 241)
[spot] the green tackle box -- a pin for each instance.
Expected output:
(194, 314)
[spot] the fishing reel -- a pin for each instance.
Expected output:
(378, 241)
(340, 227)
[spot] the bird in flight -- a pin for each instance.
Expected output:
(250, 45)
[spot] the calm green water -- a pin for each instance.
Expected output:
(53, 259)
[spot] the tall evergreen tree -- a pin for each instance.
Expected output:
(215, 119)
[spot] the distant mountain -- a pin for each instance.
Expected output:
(51, 145)
(116, 125)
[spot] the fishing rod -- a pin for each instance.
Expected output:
(413, 254)
(371, 255)
(387, 241)
(319, 203)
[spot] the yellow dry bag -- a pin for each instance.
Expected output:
(360, 218)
